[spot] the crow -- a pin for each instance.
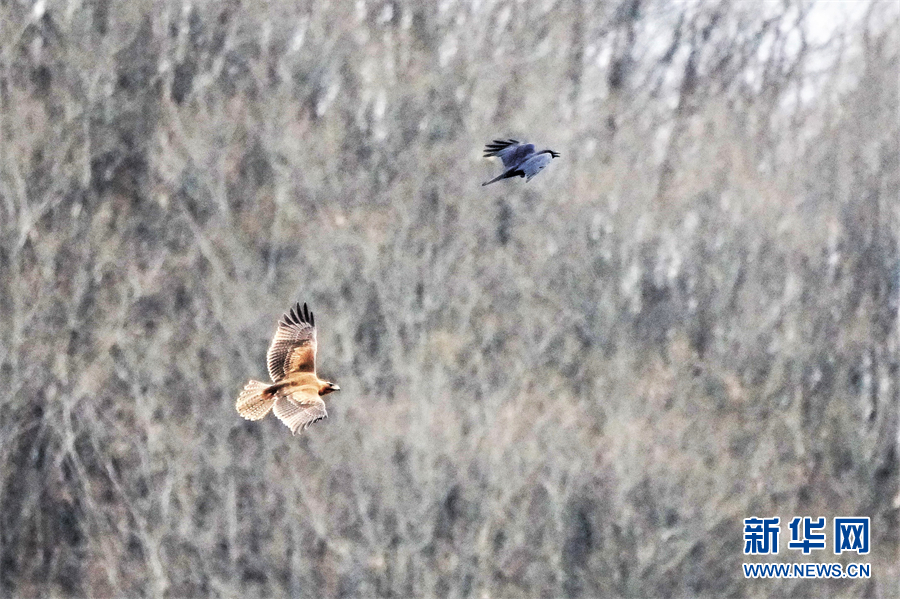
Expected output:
(519, 160)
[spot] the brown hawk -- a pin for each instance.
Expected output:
(296, 392)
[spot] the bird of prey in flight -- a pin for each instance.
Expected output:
(519, 160)
(295, 394)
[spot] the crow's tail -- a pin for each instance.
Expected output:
(503, 175)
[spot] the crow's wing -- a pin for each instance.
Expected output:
(534, 165)
(510, 151)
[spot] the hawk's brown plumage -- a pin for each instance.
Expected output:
(295, 394)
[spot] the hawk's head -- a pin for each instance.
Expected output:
(327, 388)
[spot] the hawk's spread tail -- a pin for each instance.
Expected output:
(253, 404)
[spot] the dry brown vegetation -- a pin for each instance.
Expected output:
(575, 387)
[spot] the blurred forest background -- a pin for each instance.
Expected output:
(575, 387)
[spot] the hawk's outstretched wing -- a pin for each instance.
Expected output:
(294, 347)
(510, 151)
(299, 410)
